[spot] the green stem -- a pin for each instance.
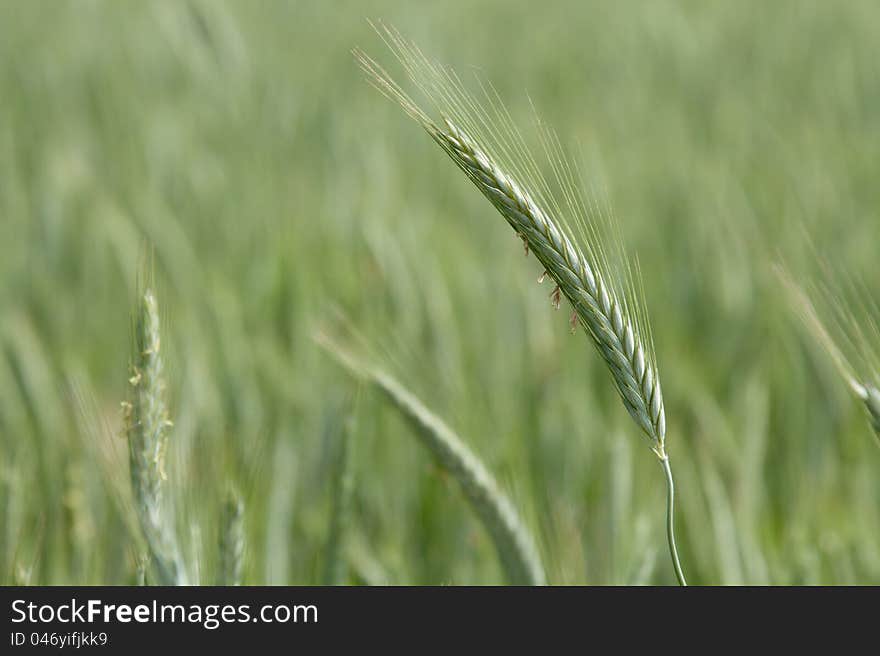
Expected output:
(670, 524)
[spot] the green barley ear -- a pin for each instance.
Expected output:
(231, 540)
(513, 542)
(147, 425)
(479, 136)
(343, 488)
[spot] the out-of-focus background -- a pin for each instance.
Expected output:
(276, 189)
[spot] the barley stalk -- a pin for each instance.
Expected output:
(513, 542)
(611, 311)
(231, 540)
(343, 488)
(147, 426)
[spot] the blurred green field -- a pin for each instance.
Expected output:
(241, 143)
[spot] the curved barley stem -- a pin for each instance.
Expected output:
(670, 520)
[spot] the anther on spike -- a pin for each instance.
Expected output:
(556, 297)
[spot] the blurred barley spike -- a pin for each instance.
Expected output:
(851, 337)
(482, 140)
(147, 426)
(231, 540)
(343, 489)
(513, 541)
